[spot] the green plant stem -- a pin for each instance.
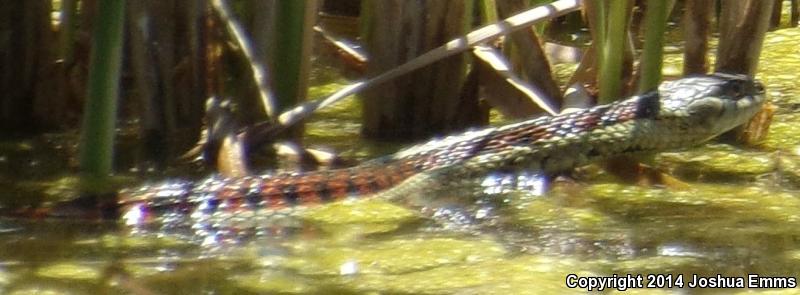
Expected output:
(290, 54)
(613, 47)
(600, 18)
(652, 54)
(488, 11)
(97, 132)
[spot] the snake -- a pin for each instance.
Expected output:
(679, 114)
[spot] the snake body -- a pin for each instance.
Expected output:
(680, 114)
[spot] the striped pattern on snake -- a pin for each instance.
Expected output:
(680, 114)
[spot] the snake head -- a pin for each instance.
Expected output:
(714, 103)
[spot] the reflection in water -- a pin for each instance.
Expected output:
(532, 182)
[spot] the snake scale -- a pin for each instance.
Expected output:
(680, 114)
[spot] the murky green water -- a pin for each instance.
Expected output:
(739, 215)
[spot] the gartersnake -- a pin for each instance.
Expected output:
(680, 114)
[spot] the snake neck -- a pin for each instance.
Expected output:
(548, 144)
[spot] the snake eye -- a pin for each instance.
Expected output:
(759, 87)
(734, 88)
(738, 88)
